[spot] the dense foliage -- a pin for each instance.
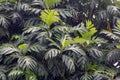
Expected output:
(59, 40)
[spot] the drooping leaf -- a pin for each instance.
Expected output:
(3, 76)
(75, 49)
(8, 50)
(83, 62)
(52, 53)
(69, 62)
(64, 29)
(14, 74)
(86, 76)
(27, 63)
(99, 76)
(113, 10)
(109, 34)
(31, 30)
(42, 70)
(95, 53)
(113, 56)
(4, 21)
(10, 59)
(116, 30)
(64, 13)
(36, 47)
(30, 75)
(53, 43)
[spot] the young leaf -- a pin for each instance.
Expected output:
(50, 17)
(16, 72)
(30, 75)
(50, 3)
(90, 31)
(89, 24)
(118, 46)
(63, 41)
(22, 46)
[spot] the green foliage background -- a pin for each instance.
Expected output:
(59, 40)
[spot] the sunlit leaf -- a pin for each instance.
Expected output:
(23, 47)
(50, 17)
(50, 3)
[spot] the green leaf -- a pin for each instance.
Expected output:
(7, 0)
(83, 62)
(15, 72)
(80, 40)
(53, 43)
(117, 3)
(3, 76)
(76, 40)
(15, 37)
(92, 67)
(95, 53)
(50, 17)
(63, 42)
(52, 53)
(118, 46)
(69, 62)
(89, 24)
(30, 75)
(50, 3)
(110, 35)
(117, 28)
(27, 63)
(113, 56)
(22, 46)
(86, 76)
(36, 48)
(8, 50)
(72, 41)
(75, 49)
(90, 31)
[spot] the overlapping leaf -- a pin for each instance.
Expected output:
(8, 50)
(95, 53)
(52, 53)
(69, 62)
(27, 63)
